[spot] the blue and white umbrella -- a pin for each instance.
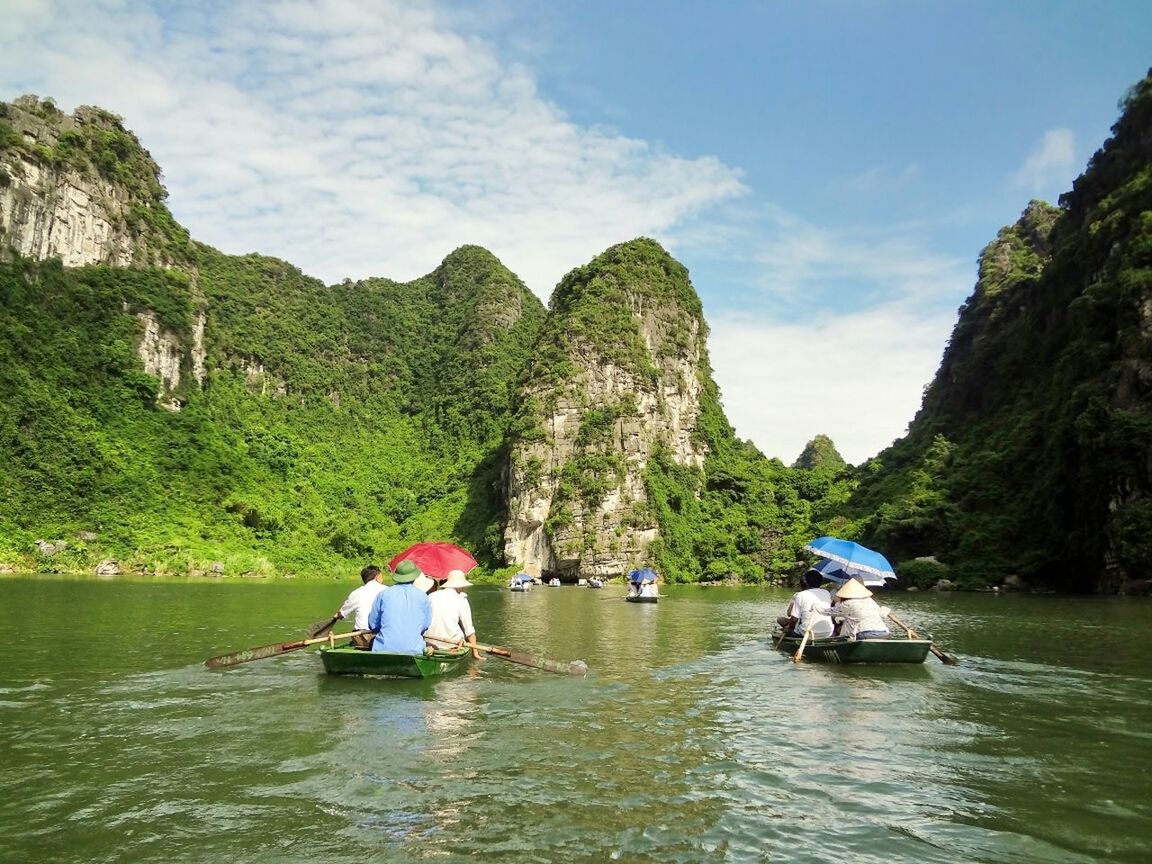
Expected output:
(834, 571)
(855, 560)
(642, 575)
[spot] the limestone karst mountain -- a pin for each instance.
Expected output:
(1032, 453)
(619, 375)
(183, 410)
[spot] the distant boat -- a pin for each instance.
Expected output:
(643, 586)
(520, 582)
(352, 661)
(595, 583)
(553, 582)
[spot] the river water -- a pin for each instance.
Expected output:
(689, 740)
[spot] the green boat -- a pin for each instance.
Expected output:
(346, 660)
(840, 649)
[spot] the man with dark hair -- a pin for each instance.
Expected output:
(804, 609)
(359, 603)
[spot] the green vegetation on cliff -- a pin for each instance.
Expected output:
(348, 443)
(1031, 453)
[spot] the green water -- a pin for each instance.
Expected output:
(690, 740)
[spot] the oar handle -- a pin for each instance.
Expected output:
(576, 667)
(947, 659)
(487, 649)
(332, 636)
(909, 630)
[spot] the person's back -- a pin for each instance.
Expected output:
(360, 601)
(452, 614)
(401, 614)
(449, 608)
(860, 615)
(807, 606)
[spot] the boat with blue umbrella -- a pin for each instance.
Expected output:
(520, 582)
(642, 586)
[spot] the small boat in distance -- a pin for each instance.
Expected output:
(642, 586)
(841, 649)
(553, 582)
(520, 582)
(346, 660)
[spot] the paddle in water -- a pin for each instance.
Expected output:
(800, 651)
(575, 667)
(263, 652)
(947, 659)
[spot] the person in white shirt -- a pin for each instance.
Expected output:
(359, 603)
(805, 608)
(451, 614)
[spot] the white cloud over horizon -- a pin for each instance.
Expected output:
(1051, 166)
(857, 379)
(356, 139)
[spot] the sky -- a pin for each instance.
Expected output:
(828, 171)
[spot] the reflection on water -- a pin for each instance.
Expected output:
(690, 740)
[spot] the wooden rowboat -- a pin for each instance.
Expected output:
(843, 650)
(352, 661)
(638, 599)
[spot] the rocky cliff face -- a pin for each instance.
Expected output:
(79, 188)
(618, 376)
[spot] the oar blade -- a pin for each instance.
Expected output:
(574, 667)
(321, 628)
(250, 654)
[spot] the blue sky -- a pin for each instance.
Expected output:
(828, 171)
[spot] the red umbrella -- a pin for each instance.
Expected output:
(436, 559)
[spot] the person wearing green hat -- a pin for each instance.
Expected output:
(400, 616)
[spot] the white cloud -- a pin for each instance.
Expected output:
(857, 378)
(869, 314)
(354, 138)
(1051, 166)
(358, 138)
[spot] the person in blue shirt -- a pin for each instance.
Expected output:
(400, 616)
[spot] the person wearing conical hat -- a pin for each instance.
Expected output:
(400, 615)
(861, 616)
(451, 614)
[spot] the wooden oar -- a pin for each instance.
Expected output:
(799, 655)
(321, 628)
(265, 651)
(944, 658)
(576, 667)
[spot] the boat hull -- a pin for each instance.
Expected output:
(642, 599)
(352, 661)
(841, 650)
